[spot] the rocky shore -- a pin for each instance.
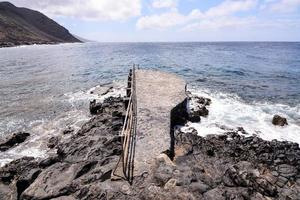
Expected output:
(19, 43)
(217, 167)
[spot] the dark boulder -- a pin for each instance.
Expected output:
(202, 100)
(95, 107)
(194, 118)
(197, 107)
(201, 111)
(241, 130)
(13, 140)
(279, 121)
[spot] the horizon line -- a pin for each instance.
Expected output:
(216, 41)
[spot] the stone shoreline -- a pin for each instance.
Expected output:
(216, 167)
(29, 43)
(15, 44)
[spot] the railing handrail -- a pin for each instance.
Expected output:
(129, 132)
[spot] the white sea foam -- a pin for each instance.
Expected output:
(230, 111)
(100, 93)
(42, 130)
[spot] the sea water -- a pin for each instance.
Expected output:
(45, 88)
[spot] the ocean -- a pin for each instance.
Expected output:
(44, 88)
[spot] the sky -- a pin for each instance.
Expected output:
(174, 20)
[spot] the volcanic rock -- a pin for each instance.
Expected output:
(279, 121)
(13, 140)
(68, 130)
(197, 107)
(216, 167)
(52, 142)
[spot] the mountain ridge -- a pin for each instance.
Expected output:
(23, 26)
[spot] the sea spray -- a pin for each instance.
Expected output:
(229, 112)
(43, 129)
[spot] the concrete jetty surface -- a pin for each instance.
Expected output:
(157, 94)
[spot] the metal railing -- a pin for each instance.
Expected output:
(125, 165)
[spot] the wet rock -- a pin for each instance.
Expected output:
(198, 111)
(52, 142)
(241, 130)
(13, 140)
(201, 100)
(68, 130)
(102, 90)
(108, 105)
(194, 117)
(95, 107)
(279, 121)
(195, 107)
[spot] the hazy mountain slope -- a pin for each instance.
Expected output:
(82, 39)
(24, 26)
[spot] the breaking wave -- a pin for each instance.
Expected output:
(229, 112)
(42, 130)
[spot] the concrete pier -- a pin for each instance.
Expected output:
(157, 94)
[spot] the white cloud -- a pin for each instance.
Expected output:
(164, 20)
(209, 17)
(86, 9)
(220, 23)
(285, 6)
(164, 3)
(229, 6)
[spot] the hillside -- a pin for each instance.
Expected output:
(22, 26)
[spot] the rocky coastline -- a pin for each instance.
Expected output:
(21, 43)
(233, 165)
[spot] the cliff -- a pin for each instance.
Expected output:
(22, 26)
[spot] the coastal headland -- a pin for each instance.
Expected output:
(179, 164)
(23, 26)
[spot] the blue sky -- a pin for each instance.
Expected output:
(175, 20)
